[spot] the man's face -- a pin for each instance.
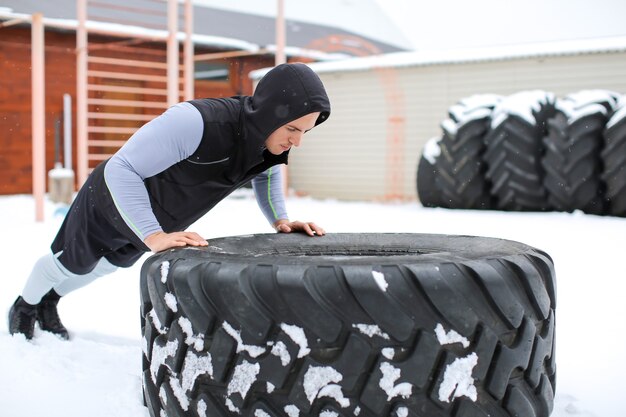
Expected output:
(286, 136)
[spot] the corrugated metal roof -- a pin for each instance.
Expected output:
(459, 56)
(213, 27)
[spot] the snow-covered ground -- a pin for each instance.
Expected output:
(97, 373)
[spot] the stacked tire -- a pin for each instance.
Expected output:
(460, 168)
(614, 160)
(537, 154)
(451, 171)
(513, 150)
(572, 161)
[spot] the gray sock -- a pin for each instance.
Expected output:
(49, 273)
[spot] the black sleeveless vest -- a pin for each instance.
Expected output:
(224, 161)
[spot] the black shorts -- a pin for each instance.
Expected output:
(93, 229)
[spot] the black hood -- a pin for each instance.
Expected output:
(286, 93)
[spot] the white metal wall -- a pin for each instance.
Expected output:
(345, 158)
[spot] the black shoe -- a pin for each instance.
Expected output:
(48, 316)
(22, 318)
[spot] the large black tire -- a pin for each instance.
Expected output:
(614, 158)
(349, 325)
(515, 149)
(460, 167)
(572, 161)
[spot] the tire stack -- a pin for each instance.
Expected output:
(614, 160)
(460, 166)
(572, 152)
(513, 150)
(530, 152)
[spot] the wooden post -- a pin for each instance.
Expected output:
(38, 114)
(172, 53)
(280, 58)
(82, 165)
(188, 52)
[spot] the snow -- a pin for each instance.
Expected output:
(457, 379)
(195, 366)
(370, 330)
(292, 410)
(619, 114)
(196, 341)
(334, 391)
(61, 173)
(170, 301)
(260, 413)
(573, 111)
(98, 372)
(243, 377)
(388, 382)
(432, 150)
(379, 277)
(388, 353)
(318, 377)
(297, 335)
(280, 350)
(447, 338)
(252, 350)
(165, 269)
(521, 104)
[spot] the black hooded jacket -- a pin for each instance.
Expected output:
(230, 153)
(232, 150)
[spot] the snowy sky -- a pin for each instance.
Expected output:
(468, 23)
(455, 23)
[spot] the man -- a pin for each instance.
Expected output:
(169, 174)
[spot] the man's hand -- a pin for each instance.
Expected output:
(310, 228)
(160, 241)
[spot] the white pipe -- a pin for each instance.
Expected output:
(67, 131)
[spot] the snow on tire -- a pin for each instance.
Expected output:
(614, 158)
(572, 161)
(349, 325)
(514, 150)
(460, 167)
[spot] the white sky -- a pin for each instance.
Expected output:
(428, 24)
(468, 23)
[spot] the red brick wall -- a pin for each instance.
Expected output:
(16, 103)
(60, 78)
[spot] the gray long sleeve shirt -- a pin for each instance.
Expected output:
(159, 144)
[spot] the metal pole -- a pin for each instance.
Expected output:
(67, 131)
(38, 114)
(81, 93)
(172, 53)
(188, 51)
